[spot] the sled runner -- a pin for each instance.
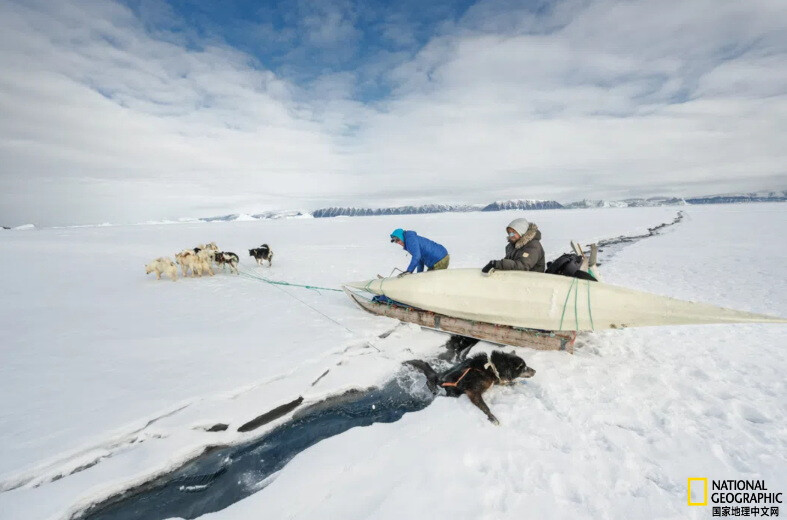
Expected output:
(492, 333)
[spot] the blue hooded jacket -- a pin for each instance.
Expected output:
(425, 252)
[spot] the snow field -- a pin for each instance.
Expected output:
(93, 351)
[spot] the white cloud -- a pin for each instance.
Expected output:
(627, 97)
(87, 95)
(102, 119)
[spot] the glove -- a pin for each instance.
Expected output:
(403, 274)
(488, 267)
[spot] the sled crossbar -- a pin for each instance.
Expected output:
(500, 334)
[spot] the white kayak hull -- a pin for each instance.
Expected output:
(547, 302)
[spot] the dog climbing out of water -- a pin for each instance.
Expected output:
(476, 375)
(262, 253)
(223, 258)
(457, 347)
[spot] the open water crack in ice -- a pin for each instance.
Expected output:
(226, 475)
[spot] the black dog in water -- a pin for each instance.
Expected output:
(476, 375)
(457, 347)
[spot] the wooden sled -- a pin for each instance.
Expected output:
(499, 334)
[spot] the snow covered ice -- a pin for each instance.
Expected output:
(110, 377)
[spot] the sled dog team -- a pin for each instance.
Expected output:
(199, 261)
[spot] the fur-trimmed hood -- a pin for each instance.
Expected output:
(526, 254)
(532, 233)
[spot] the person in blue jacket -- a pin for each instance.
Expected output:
(425, 252)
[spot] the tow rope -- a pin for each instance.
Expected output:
(278, 285)
(281, 282)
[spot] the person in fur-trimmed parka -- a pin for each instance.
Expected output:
(523, 252)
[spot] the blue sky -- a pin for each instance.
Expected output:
(142, 110)
(302, 41)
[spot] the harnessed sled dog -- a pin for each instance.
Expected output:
(162, 266)
(476, 375)
(227, 258)
(264, 252)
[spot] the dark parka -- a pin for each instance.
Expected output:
(526, 254)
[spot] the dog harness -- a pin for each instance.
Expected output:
(455, 383)
(493, 367)
(489, 365)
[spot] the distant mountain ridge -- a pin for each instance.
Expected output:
(514, 204)
(402, 210)
(505, 205)
(533, 204)
(257, 216)
(738, 199)
(527, 204)
(519, 204)
(627, 203)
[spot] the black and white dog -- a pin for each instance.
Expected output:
(262, 253)
(223, 258)
(476, 375)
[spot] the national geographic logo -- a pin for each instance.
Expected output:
(734, 497)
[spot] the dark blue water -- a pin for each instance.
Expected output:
(227, 475)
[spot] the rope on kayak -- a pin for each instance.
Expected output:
(574, 287)
(590, 309)
(576, 312)
(565, 304)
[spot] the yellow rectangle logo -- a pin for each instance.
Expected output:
(704, 491)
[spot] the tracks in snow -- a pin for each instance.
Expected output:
(609, 247)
